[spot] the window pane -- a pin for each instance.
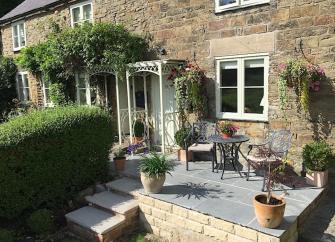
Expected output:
(87, 9)
(226, 2)
(26, 94)
(229, 100)
(254, 72)
(47, 96)
(25, 80)
(81, 80)
(229, 74)
(19, 81)
(15, 32)
(254, 100)
(76, 14)
(82, 96)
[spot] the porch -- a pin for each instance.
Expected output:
(197, 204)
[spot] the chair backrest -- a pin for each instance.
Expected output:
(202, 130)
(280, 141)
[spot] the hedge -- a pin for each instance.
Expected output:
(47, 156)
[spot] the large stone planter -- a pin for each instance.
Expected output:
(182, 155)
(317, 178)
(269, 216)
(152, 184)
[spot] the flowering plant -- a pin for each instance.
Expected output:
(302, 77)
(228, 128)
(189, 85)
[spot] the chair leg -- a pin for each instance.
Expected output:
(186, 155)
(213, 154)
(248, 174)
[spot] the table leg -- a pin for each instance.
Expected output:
(224, 160)
(237, 148)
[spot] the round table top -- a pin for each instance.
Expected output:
(234, 139)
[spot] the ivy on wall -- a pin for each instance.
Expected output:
(84, 46)
(7, 86)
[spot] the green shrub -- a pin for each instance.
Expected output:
(155, 165)
(47, 156)
(317, 156)
(138, 128)
(41, 222)
(180, 137)
(7, 86)
(6, 236)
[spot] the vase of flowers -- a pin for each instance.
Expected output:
(227, 129)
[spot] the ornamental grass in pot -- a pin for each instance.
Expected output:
(317, 158)
(153, 168)
(181, 140)
(270, 208)
(119, 159)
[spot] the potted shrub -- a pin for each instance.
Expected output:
(138, 131)
(180, 137)
(119, 159)
(227, 129)
(269, 208)
(153, 168)
(317, 158)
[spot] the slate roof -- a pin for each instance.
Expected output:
(28, 6)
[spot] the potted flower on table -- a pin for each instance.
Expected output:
(227, 129)
(153, 168)
(317, 158)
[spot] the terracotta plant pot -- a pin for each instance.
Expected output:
(137, 140)
(317, 178)
(152, 184)
(269, 216)
(182, 155)
(227, 136)
(119, 163)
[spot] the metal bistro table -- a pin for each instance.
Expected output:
(229, 149)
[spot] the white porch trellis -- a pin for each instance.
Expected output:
(145, 68)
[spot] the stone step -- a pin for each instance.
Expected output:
(94, 224)
(120, 204)
(125, 185)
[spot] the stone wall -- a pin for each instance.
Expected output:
(190, 29)
(176, 223)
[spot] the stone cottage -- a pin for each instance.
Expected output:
(239, 39)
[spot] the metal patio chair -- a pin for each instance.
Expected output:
(271, 153)
(198, 138)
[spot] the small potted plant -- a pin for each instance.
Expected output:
(227, 129)
(180, 137)
(138, 131)
(153, 168)
(317, 158)
(270, 208)
(119, 159)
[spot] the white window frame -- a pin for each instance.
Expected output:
(22, 99)
(16, 25)
(80, 6)
(238, 4)
(240, 114)
(87, 89)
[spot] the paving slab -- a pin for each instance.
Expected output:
(121, 204)
(95, 220)
(125, 185)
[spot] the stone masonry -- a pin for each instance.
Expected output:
(176, 223)
(190, 29)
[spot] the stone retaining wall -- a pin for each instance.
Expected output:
(176, 223)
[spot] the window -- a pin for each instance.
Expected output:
(222, 5)
(19, 35)
(22, 86)
(86, 94)
(242, 88)
(46, 94)
(81, 13)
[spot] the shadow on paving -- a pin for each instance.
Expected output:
(320, 226)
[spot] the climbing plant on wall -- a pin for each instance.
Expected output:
(303, 77)
(7, 85)
(85, 46)
(190, 91)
